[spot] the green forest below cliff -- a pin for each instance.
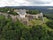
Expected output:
(10, 30)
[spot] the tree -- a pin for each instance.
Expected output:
(38, 32)
(50, 24)
(33, 11)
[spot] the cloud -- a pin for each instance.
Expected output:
(26, 3)
(40, 1)
(14, 3)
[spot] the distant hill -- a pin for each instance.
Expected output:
(44, 9)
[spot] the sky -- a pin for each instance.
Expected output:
(26, 3)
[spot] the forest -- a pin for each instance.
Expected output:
(10, 30)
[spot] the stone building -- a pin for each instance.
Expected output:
(22, 13)
(37, 16)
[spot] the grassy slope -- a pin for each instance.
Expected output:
(39, 22)
(44, 25)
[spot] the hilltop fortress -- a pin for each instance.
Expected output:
(24, 17)
(22, 14)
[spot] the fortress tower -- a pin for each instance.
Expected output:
(41, 14)
(22, 13)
